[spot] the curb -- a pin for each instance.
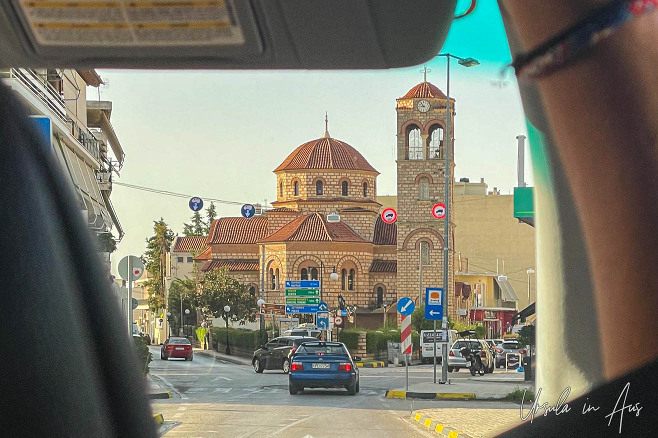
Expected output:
(378, 364)
(391, 393)
(439, 428)
(224, 358)
(159, 419)
(159, 395)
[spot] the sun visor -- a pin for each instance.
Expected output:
(354, 34)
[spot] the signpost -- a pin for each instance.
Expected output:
(323, 320)
(434, 312)
(131, 268)
(196, 203)
(248, 211)
(439, 210)
(389, 215)
(302, 296)
(273, 309)
(406, 307)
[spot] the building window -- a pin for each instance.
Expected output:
(344, 187)
(365, 189)
(318, 188)
(252, 291)
(190, 260)
(304, 275)
(281, 189)
(424, 189)
(435, 143)
(414, 143)
(180, 260)
(343, 278)
(277, 279)
(350, 280)
(295, 186)
(425, 253)
(314, 273)
(273, 280)
(380, 296)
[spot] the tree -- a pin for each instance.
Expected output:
(527, 335)
(197, 227)
(187, 289)
(157, 246)
(218, 289)
(418, 321)
(211, 215)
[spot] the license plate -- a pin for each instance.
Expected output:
(320, 365)
(468, 364)
(180, 348)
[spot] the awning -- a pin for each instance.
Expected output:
(530, 310)
(506, 290)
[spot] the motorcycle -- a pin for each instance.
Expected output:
(473, 361)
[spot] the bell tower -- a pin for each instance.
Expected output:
(421, 166)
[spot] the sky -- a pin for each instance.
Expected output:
(219, 134)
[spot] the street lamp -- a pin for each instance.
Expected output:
(227, 309)
(169, 325)
(466, 62)
(187, 312)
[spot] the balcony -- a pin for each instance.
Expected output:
(39, 87)
(86, 139)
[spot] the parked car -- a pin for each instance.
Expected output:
(427, 344)
(508, 347)
(307, 332)
(323, 365)
(177, 348)
(479, 346)
(275, 355)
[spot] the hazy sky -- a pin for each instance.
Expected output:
(220, 134)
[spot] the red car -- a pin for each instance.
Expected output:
(177, 347)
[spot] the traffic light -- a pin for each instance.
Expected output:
(341, 302)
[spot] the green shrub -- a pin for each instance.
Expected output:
(350, 338)
(239, 337)
(143, 354)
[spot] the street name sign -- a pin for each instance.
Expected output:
(301, 309)
(273, 309)
(297, 284)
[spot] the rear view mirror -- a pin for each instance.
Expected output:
(356, 358)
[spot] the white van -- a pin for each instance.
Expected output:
(427, 344)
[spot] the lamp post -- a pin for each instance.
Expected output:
(168, 325)
(227, 309)
(260, 303)
(466, 62)
(187, 312)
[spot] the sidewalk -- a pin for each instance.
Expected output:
(468, 422)
(154, 390)
(223, 357)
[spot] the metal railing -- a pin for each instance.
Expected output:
(41, 88)
(87, 140)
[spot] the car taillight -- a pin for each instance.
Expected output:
(345, 367)
(483, 355)
(296, 366)
(522, 351)
(451, 354)
(293, 349)
(170, 347)
(420, 349)
(498, 350)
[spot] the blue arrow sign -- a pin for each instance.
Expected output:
(323, 320)
(299, 284)
(406, 306)
(434, 303)
(196, 203)
(248, 211)
(301, 309)
(45, 128)
(323, 307)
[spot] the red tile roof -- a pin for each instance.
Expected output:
(424, 89)
(205, 255)
(190, 243)
(233, 265)
(314, 228)
(282, 210)
(325, 153)
(384, 266)
(238, 230)
(385, 234)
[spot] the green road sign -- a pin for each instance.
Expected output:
(302, 292)
(302, 300)
(523, 202)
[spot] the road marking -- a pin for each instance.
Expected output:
(220, 377)
(223, 390)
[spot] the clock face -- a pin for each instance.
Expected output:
(423, 106)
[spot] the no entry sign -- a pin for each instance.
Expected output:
(439, 210)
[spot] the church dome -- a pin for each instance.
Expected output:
(325, 153)
(424, 90)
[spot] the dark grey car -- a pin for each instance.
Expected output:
(507, 347)
(275, 355)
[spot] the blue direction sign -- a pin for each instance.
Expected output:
(434, 303)
(322, 307)
(248, 211)
(323, 320)
(299, 284)
(196, 203)
(301, 309)
(45, 128)
(406, 306)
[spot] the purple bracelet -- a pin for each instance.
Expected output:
(579, 38)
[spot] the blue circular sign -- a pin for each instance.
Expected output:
(196, 203)
(406, 306)
(248, 211)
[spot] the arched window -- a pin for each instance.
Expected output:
(281, 189)
(380, 296)
(314, 273)
(425, 253)
(252, 291)
(343, 278)
(435, 142)
(277, 279)
(414, 143)
(295, 189)
(350, 280)
(318, 187)
(304, 274)
(344, 187)
(365, 189)
(424, 189)
(273, 280)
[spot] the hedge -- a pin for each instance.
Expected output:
(376, 340)
(350, 338)
(239, 337)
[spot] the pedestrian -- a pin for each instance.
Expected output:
(206, 335)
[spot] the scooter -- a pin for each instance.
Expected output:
(473, 361)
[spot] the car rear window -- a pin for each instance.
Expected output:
(179, 341)
(322, 349)
(300, 341)
(469, 344)
(510, 345)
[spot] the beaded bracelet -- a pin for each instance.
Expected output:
(580, 37)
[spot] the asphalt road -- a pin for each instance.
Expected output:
(213, 398)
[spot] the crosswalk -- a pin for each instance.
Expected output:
(264, 390)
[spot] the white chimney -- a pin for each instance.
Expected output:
(520, 165)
